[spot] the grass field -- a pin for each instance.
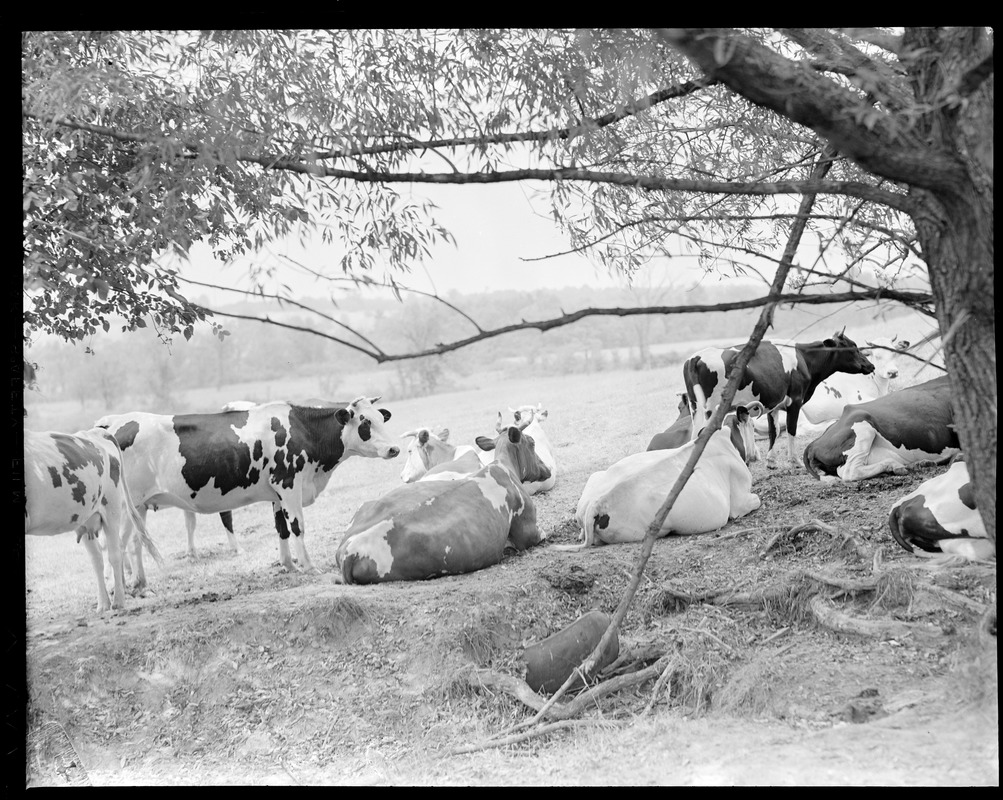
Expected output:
(228, 670)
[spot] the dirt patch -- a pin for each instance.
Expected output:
(277, 679)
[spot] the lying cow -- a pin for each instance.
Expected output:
(528, 419)
(839, 390)
(428, 450)
(618, 504)
(76, 482)
(445, 527)
(940, 517)
(678, 433)
(781, 378)
(905, 428)
(276, 452)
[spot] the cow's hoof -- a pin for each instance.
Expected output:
(900, 471)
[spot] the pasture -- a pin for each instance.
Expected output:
(857, 667)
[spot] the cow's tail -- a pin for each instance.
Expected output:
(894, 522)
(139, 524)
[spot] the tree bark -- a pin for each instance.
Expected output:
(955, 229)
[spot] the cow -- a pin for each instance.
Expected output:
(940, 516)
(431, 528)
(905, 428)
(275, 452)
(781, 377)
(77, 482)
(528, 419)
(226, 517)
(678, 433)
(618, 504)
(842, 388)
(428, 450)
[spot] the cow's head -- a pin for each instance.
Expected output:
(846, 355)
(517, 453)
(425, 451)
(524, 416)
(739, 424)
(362, 431)
(884, 353)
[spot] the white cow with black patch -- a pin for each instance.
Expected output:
(276, 452)
(76, 482)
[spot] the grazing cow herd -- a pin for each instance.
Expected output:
(460, 506)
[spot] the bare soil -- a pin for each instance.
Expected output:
(273, 678)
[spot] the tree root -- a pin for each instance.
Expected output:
(847, 540)
(519, 689)
(830, 617)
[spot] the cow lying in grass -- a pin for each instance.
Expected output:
(446, 527)
(941, 517)
(618, 504)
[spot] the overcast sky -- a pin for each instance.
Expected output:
(495, 227)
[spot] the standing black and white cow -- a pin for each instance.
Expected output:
(782, 378)
(941, 517)
(904, 428)
(76, 482)
(839, 390)
(276, 452)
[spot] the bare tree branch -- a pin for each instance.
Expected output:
(378, 355)
(875, 140)
(627, 110)
(864, 191)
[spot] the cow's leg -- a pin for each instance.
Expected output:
(190, 523)
(793, 413)
(285, 558)
(773, 419)
(113, 524)
(857, 466)
(97, 561)
(292, 507)
(226, 517)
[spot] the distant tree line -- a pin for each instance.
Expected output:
(107, 367)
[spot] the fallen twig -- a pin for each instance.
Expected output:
(723, 644)
(666, 674)
(776, 635)
(521, 737)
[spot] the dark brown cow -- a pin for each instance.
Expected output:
(889, 434)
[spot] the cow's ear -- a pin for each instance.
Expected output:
(343, 415)
(542, 414)
(903, 345)
(830, 343)
(423, 436)
(385, 413)
(741, 414)
(443, 434)
(484, 443)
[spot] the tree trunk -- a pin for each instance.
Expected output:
(955, 228)
(959, 257)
